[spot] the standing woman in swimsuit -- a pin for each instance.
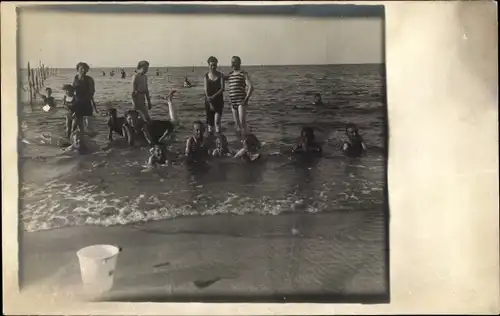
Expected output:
(214, 99)
(240, 90)
(84, 88)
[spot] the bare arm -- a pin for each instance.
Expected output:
(65, 102)
(240, 153)
(134, 85)
(43, 96)
(148, 97)
(188, 146)
(249, 87)
(151, 161)
(92, 92)
(205, 86)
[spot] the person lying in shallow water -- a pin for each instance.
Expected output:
(354, 146)
(250, 151)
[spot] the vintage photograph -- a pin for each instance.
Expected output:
(203, 153)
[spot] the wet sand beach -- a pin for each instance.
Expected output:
(322, 257)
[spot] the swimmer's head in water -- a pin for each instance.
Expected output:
(236, 62)
(48, 91)
(251, 143)
(307, 133)
(212, 62)
(317, 98)
(143, 66)
(198, 129)
(112, 112)
(221, 142)
(82, 68)
(157, 152)
(351, 130)
(132, 118)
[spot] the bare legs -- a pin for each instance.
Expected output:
(218, 119)
(171, 108)
(240, 118)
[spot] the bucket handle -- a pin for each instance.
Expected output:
(120, 249)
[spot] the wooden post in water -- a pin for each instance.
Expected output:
(29, 85)
(37, 82)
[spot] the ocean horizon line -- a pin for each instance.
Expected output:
(198, 66)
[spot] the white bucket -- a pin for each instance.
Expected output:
(97, 266)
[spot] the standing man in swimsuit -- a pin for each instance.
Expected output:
(240, 90)
(214, 99)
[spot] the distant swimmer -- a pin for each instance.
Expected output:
(187, 84)
(307, 143)
(112, 73)
(103, 73)
(317, 99)
(354, 146)
(123, 73)
(157, 71)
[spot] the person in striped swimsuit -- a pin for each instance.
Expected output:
(240, 90)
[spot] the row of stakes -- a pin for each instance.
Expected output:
(37, 77)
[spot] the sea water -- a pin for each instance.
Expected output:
(111, 186)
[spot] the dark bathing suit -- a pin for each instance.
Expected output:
(50, 101)
(354, 147)
(217, 102)
(84, 91)
(198, 150)
(237, 88)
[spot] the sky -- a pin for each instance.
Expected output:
(62, 39)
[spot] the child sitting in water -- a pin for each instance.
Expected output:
(354, 146)
(317, 99)
(306, 143)
(50, 102)
(69, 102)
(157, 155)
(76, 142)
(196, 146)
(221, 147)
(251, 146)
